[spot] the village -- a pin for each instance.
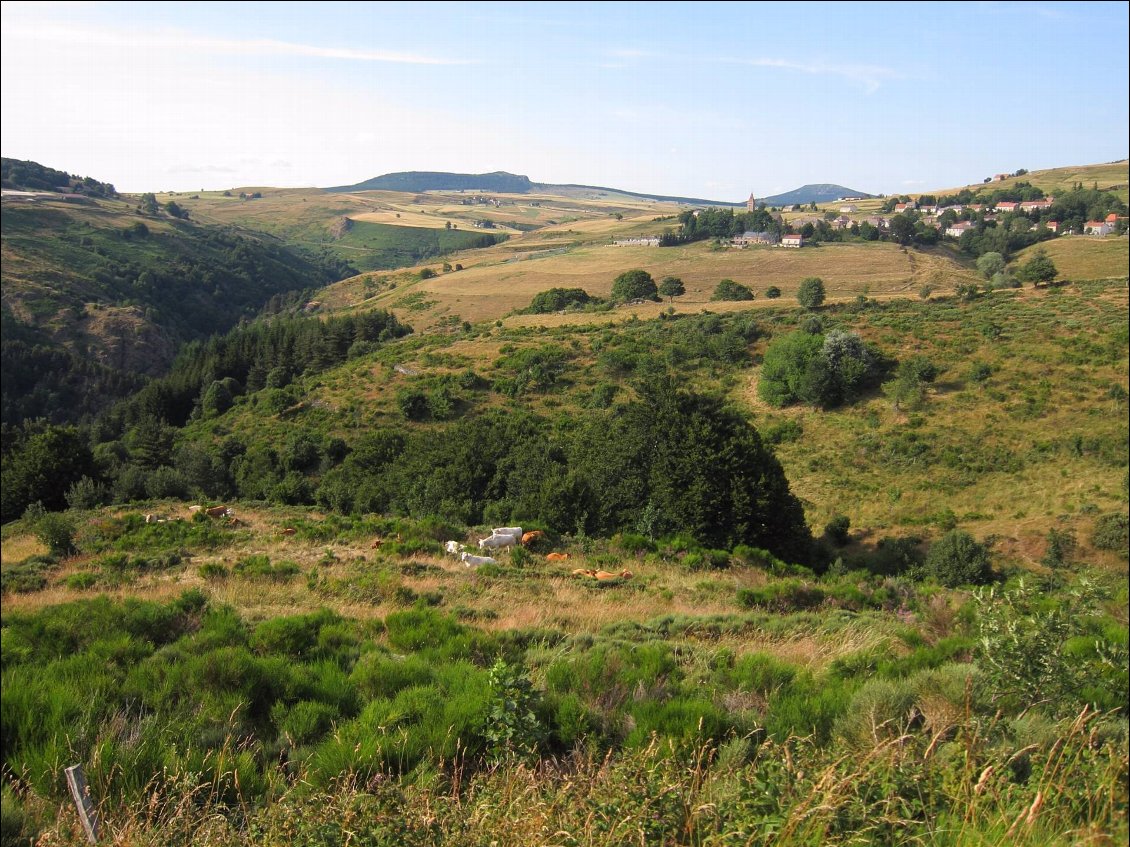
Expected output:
(790, 232)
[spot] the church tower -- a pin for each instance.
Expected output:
(751, 203)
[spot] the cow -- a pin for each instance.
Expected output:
(472, 561)
(454, 547)
(151, 519)
(218, 512)
(516, 531)
(532, 536)
(556, 557)
(289, 530)
(605, 576)
(497, 542)
(377, 542)
(584, 572)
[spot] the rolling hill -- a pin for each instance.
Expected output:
(94, 287)
(814, 193)
(508, 183)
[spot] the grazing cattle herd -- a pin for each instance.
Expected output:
(500, 538)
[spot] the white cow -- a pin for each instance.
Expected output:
(454, 547)
(472, 561)
(497, 542)
(516, 531)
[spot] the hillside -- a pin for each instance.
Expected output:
(420, 181)
(355, 662)
(815, 193)
(1111, 176)
(99, 285)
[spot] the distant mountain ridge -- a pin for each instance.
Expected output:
(824, 192)
(418, 181)
(508, 183)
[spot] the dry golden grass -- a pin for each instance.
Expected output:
(497, 286)
(1111, 176)
(20, 547)
(1081, 257)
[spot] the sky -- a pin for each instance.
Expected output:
(701, 100)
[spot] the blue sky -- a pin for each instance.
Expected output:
(702, 100)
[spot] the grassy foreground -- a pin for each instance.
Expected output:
(325, 692)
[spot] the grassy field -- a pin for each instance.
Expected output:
(1112, 176)
(497, 283)
(1084, 256)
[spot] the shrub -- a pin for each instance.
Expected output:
(213, 571)
(727, 289)
(879, 710)
(957, 559)
(57, 531)
(837, 530)
(633, 544)
(1110, 533)
(87, 494)
(512, 723)
(82, 580)
(772, 292)
(260, 567)
(557, 299)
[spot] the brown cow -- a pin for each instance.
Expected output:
(557, 557)
(605, 576)
(584, 572)
(532, 536)
(218, 512)
(376, 545)
(289, 530)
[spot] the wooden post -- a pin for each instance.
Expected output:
(76, 781)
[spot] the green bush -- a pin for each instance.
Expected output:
(879, 710)
(838, 529)
(727, 289)
(260, 567)
(772, 292)
(82, 581)
(957, 559)
(557, 299)
(1110, 533)
(57, 531)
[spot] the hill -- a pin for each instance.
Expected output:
(814, 193)
(93, 286)
(504, 183)
(18, 175)
(1109, 176)
(420, 181)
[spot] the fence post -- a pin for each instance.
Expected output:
(76, 781)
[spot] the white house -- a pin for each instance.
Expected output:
(792, 241)
(1098, 228)
(849, 209)
(959, 228)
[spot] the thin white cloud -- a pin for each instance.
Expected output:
(871, 77)
(167, 39)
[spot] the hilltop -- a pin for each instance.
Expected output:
(508, 183)
(420, 181)
(814, 193)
